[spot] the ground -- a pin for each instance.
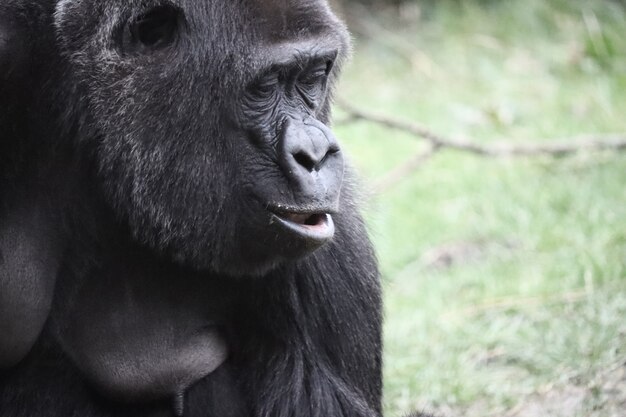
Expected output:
(505, 279)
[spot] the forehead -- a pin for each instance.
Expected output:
(275, 17)
(249, 32)
(267, 20)
(293, 16)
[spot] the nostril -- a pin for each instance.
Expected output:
(331, 151)
(305, 160)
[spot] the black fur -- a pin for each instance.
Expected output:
(31, 183)
(162, 162)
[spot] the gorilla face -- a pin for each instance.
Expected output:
(209, 122)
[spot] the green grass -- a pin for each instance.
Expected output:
(540, 300)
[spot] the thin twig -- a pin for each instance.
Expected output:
(397, 174)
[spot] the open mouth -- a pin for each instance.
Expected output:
(318, 227)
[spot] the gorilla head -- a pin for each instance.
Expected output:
(208, 123)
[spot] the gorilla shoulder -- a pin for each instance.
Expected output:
(14, 48)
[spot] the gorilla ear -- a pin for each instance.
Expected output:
(14, 46)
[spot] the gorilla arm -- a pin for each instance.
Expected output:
(28, 250)
(28, 265)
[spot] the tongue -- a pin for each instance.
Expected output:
(298, 218)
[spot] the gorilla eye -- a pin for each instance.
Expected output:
(154, 29)
(312, 83)
(316, 75)
(268, 84)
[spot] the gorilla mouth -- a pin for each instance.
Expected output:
(307, 220)
(315, 227)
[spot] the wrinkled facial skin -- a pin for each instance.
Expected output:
(209, 119)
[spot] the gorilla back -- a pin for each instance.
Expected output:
(216, 263)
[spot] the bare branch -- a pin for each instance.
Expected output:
(502, 149)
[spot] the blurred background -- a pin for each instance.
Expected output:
(504, 274)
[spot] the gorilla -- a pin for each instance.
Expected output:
(179, 233)
(30, 244)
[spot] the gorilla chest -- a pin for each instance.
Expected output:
(141, 331)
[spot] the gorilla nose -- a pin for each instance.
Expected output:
(307, 146)
(311, 159)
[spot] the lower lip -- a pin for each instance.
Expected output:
(323, 231)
